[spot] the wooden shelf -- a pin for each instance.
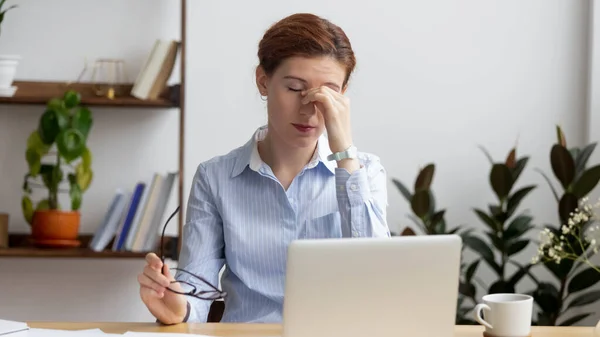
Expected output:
(20, 246)
(39, 93)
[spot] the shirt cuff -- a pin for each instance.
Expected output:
(352, 187)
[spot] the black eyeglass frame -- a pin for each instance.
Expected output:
(216, 292)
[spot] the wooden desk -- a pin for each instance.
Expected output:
(266, 330)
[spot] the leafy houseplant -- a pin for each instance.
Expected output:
(65, 125)
(7, 62)
(432, 222)
(505, 228)
(562, 245)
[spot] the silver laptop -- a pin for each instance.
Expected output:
(380, 287)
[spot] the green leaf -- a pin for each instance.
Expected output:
(70, 144)
(568, 203)
(586, 183)
(487, 154)
(519, 166)
(420, 203)
(501, 287)
(72, 98)
(83, 176)
(486, 219)
(560, 137)
(48, 128)
(27, 208)
(75, 194)
(33, 161)
(518, 275)
(583, 157)
(425, 178)
(561, 270)
(516, 198)
(86, 158)
(34, 142)
(563, 165)
(43, 205)
(431, 202)
(583, 280)
(549, 184)
(405, 192)
(518, 226)
(574, 319)
(585, 299)
(496, 241)
(501, 180)
(436, 218)
(480, 247)
(82, 121)
(516, 247)
(471, 270)
(547, 297)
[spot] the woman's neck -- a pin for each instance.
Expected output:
(285, 161)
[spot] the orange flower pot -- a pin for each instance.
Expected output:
(55, 226)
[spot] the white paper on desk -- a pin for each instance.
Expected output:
(12, 327)
(160, 334)
(66, 333)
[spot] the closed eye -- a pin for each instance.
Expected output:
(296, 90)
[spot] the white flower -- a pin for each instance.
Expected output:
(565, 230)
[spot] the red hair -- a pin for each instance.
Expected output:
(305, 35)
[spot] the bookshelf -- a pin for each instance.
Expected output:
(173, 97)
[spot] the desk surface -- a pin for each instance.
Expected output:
(266, 330)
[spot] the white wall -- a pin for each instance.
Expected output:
(434, 80)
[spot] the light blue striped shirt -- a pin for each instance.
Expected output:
(240, 216)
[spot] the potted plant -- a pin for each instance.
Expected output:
(8, 63)
(59, 161)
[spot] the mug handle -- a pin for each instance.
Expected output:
(478, 318)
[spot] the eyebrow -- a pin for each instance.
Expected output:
(303, 80)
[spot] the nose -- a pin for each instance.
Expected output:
(308, 109)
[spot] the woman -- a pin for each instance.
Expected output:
(291, 180)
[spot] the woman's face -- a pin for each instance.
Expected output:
(297, 124)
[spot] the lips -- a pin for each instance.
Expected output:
(303, 127)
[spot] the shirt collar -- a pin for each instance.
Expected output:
(249, 156)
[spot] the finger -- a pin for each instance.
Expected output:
(147, 282)
(154, 261)
(336, 96)
(321, 98)
(167, 273)
(156, 276)
(145, 292)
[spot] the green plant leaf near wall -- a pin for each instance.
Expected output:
(65, 124)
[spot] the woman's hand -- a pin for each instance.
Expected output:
(167, 306)
(335, 108)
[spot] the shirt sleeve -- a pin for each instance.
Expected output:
(202, 250)
(362, 199)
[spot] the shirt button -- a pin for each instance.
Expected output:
(353, 187)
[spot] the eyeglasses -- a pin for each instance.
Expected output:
(190, 288)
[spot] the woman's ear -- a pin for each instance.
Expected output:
(261, 81)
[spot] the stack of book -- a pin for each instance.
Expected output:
(156, 70)
(134, 218)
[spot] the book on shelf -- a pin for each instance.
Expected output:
(134, 219)
(156, 70)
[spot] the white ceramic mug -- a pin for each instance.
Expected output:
(506, 315)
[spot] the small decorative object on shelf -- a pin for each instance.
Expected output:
(108, 78)
(61, 135)
(8, 63)
(3, 230)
